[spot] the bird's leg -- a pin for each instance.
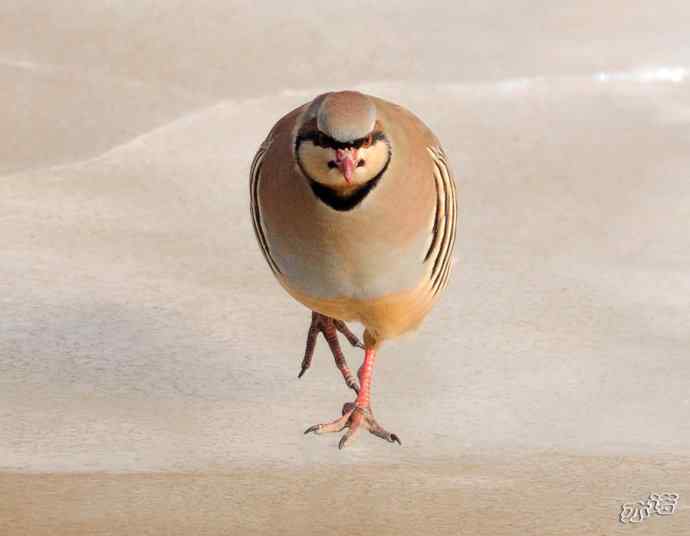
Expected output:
(351, 337)
(359, 413)
(330, 328)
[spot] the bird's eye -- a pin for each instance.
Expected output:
(360, 163)
(368, 141)
(332, 164)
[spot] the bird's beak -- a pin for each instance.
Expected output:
(345, 160)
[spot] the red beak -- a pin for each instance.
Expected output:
(346, 164)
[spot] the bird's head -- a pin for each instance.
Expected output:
(342, 147)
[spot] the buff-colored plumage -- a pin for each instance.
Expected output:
(371, 263)
(375, 248)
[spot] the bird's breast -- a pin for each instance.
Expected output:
(350, 258)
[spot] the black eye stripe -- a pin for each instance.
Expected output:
(322, 140)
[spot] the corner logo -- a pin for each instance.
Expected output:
(661, 504)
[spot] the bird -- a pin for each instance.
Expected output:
(354, 207)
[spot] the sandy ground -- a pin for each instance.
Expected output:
(539, 493)
(148, 360)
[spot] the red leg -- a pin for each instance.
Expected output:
(358, 414)
(351, 337)
(365, 373)
(330, 327)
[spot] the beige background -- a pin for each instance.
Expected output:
(148, 360)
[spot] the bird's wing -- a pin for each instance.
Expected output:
(439, 254)
(254, 184)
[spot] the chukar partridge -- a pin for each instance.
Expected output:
(354, 208)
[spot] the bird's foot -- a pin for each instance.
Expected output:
(330, 328)
(354, 417)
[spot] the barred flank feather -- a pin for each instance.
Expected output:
(441, 249)
(254, 179)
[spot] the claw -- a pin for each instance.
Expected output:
(353, 418)
(354, 421)
(301, 372)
